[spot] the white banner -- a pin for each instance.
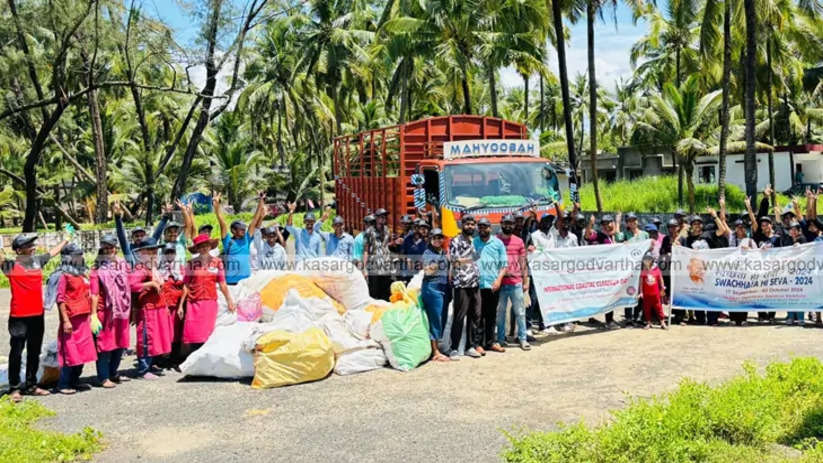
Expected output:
(748, 280)
(577, 283)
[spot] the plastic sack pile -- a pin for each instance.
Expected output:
(292, 327)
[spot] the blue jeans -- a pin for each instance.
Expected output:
(796, 316)
(69, 377)
(143, 359)
(108, 363)
(515, 294)
(434, 299)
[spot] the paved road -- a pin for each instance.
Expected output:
(438, 412)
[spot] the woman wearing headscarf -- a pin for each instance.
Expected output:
(154, 330)
(110, 310)
(75, 344)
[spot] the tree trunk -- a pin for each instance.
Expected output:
(30, 167)
(750, 158)
(724, 105)
(677, 66)
(404, 94)
(542, 102)
(208, 91)
(467, 98)
(770, 76)
(526, 99)
(592, 103)
(680, 184)
(493, 89)
(564, 89)
(101, 163)
(688, 166)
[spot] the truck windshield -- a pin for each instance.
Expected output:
(500, 184)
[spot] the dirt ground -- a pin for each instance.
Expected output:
(438, 412)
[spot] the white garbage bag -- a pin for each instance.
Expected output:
(297, 314)
(360, 360)
(416, 282)
(223, 355)
(340, 279)
(358, 322)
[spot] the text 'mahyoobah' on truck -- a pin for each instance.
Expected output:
(457, 164)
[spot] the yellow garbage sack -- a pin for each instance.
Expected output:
(282, 358)
(274, 293)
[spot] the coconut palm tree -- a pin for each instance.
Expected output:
(684, 120)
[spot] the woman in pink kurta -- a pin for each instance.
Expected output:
(203, 275)
(75, 344)
(111, 304)
(154, 328)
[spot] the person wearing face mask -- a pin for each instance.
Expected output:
(149, 310)
(111, 306)
(515, 283)
(465, 279)
(492, 262)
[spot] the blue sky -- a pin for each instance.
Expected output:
(612, 42)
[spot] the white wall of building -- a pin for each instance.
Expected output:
(735, 174)
(812, 166)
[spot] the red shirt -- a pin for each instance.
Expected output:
(144, 298)
(26, 282)
(73, 291)
(651, 282)
(202, 279)
(516, 252)
(172, 292)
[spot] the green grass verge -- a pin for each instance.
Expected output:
(772, 417)
(20, 442)
(659, 194)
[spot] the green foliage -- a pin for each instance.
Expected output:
(20, 442)
(753, 417)
(659, 194)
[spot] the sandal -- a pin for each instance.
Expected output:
(440, 358)
(16, 397)
(38, 392)
(108, 384)
(67, 391)
(648, 326)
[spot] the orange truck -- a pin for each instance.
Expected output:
(483, 165)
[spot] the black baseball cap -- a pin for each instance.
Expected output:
(205, 227)
(607, 218)
(484, 221)
(23, 240)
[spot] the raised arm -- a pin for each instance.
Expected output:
(325, 216)
(161, 225)
(618, 219)
(721, 227)
(188, 220)
(218, 211)
(259, 213)
(722, 203)
(589, 228)
(763, 209)
(56, 249)
(121, 231)
(752, 218)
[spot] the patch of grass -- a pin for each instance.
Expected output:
(773, 417)
(659, 194)
(19, 442)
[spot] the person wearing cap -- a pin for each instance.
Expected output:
(270, 248)
(407, 228)
(541, 239)
(633, 231)
(538, 240)
(172, 235)
(652, 290)
(514, 284)
(606, 235)
(739, 237)
(357, 247)
(657, 240)
(414, 245)
(138, 234)
(75, 342)
(236, 240)
(26, 321)
(376, 257)
(664, 263)
(794, 238)
(308, 241)
(700, 239)
(683, 226)
(465, 279)
(491, 263)
(154, 330)
(111, 306)
(339, 243)
(434, 292)
(204, 275)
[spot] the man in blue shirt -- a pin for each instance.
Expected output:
(339, 244)
(237, 244)
(309, 243)
(492, 264)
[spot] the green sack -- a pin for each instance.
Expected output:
(404, 335)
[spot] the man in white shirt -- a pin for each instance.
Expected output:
(271, 254)
(560, 234)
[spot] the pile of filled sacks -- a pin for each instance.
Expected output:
(298, 326)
